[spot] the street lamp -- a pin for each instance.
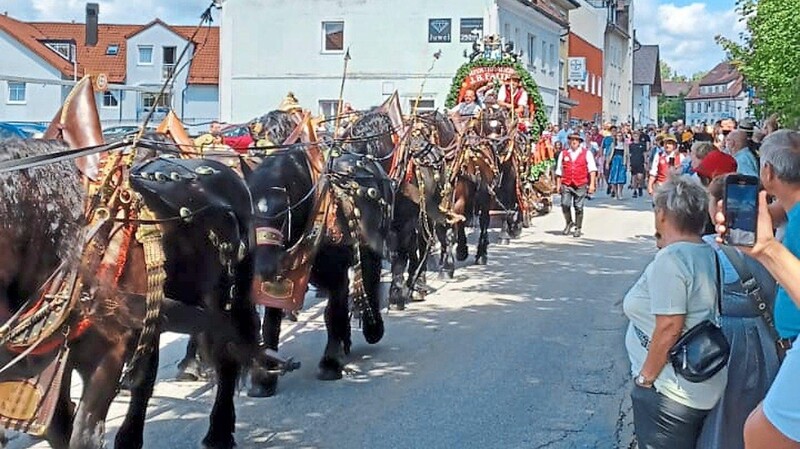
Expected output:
(636, 47)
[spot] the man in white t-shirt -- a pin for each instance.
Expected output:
(512, 96)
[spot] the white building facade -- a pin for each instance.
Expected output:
(618, 61)
(718, 95)
(391, 45)
(40, 62)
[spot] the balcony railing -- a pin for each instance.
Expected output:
(167, 70)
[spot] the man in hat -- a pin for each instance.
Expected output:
(576, 177)
(667, 161)
(513, 96)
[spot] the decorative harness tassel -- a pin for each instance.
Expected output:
(149, 235)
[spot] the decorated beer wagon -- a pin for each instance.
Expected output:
(490, 68)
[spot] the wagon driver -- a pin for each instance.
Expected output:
(576, 177)
(513, 96)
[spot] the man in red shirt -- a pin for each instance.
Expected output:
(576, 176)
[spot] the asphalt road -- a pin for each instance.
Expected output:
(526, 352)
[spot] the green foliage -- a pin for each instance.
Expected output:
(540, 120)
(671, 109)
(768, 55)
(541, 168)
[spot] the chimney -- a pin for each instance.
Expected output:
(92, 10)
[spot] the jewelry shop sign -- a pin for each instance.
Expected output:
(440, 30)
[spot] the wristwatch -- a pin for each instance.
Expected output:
(642, 381)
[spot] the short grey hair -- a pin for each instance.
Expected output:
(781, 150)
(684, 200)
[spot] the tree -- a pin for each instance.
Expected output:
(767, 55)
(671, 109)
(669, 74)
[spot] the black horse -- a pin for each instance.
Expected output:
(205, 216)
(485, 176)
(419, 212)
(286, 201)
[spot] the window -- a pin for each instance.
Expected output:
(545, 62)
(168, 57)
(517, 39)
(507, 31)
(328, 108)
(332, 36)
(532, 51)
(109, 100)
(599, 86)
(552, 57)
(561, 74)
(112, 50)
(145, 54)
(148, 100)
(16, 92)
(424, 105)
(65, 49)
(591, 84)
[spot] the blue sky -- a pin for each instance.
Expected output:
(684, 29)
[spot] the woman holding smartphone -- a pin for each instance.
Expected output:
(775, 424)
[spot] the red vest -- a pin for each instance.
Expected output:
(516, 98)
(663, 166)
(574, 172)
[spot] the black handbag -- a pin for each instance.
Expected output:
(703, 350)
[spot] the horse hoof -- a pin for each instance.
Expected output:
(461, 253)
(446, 275)
(261, 391)
(480, 260)
(399, 305)
(189, 371)
(418, 296)
(373, 333)
(504, 241)
(222, 442)
(329, 369)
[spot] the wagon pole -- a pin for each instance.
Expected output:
(436, 57)
(339, 105)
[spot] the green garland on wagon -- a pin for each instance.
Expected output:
(539, 122)
(541, 168)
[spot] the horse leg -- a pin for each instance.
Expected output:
(417, 268)
(131, 432)
(447, 258)
(222, 421)
(100, 387)
(266, 385)
(460, 207)
(337, 322)
(483, 240)
(399, 260)
(505, 236)
(371, 268)
(60, 428)
(190, 369)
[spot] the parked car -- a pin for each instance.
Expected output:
(33, 130)
(118, 132)
(20, 130)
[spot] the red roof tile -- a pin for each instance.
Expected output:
(204, 68)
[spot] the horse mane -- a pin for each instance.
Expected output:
(276, 125)
(371, 133)
(43, 203)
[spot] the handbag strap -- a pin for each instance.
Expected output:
(751, 288)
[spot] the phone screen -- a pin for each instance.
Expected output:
(741, 212)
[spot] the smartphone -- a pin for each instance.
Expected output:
(741, 209)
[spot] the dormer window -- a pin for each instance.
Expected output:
(65, 49)
(112, 50)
